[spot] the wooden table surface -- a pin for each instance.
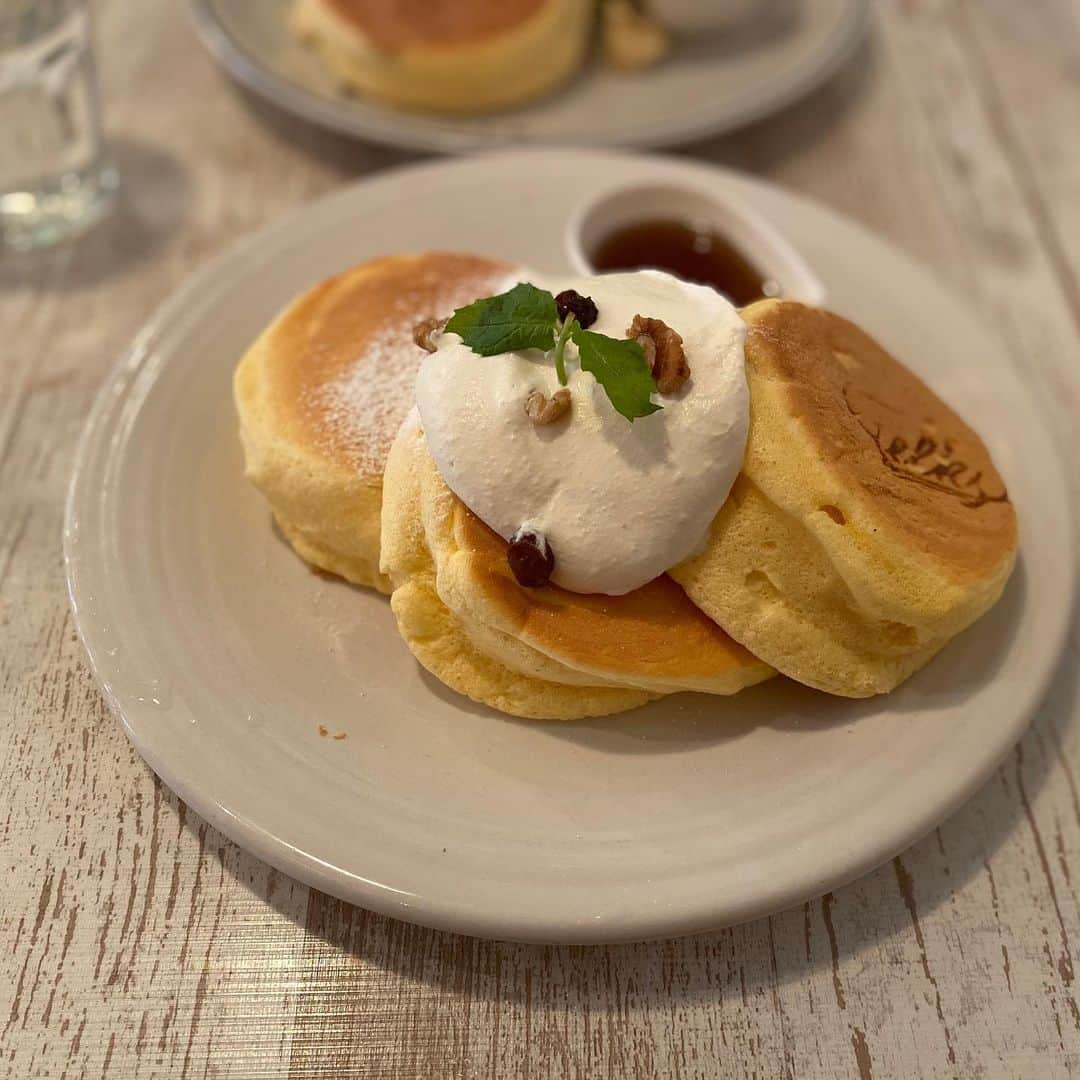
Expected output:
(137, 941)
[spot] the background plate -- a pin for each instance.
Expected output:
(222, 653)
(710, 86)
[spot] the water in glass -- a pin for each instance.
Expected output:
(55, 176)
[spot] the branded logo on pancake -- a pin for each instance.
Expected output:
(932, 465)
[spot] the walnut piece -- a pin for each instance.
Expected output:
(542, 411)
(632, 40)
(425, 332)
(664, 352)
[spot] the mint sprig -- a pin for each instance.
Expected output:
(527, 318)
(620, 368)
(569, 323)
(523, 318)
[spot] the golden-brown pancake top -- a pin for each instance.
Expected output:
(653, 631)
(339, 366)
(925, 474)
(396, 24)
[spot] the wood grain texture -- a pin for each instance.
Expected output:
(141, 943)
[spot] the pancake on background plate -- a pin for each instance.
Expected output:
(539, 652)
(868, 525)
(323, 390)
(448, 55)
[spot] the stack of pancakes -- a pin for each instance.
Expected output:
(868, 525)
(546, 652)
(448, 55)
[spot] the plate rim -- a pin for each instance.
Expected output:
(245, 69)
(642, 925)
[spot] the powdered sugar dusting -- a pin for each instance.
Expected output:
(361, 410)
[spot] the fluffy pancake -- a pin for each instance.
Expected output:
(448, 55)
(323, 390)
(439, 640)
(869, 524)
(651, 640)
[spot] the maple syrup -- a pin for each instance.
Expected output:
(702, 256)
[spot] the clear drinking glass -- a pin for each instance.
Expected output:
(55, 175)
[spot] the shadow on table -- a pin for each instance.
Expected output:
(746, 960)
(346, 153)
(762, 146)
(153, 203)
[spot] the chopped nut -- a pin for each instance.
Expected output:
(542, 410)
(648, 346)
(632, 40)
(664, 352)
(425, 332)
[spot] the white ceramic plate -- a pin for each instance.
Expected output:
(222, 653)
(710, 86)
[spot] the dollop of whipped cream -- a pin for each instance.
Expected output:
(619, 503)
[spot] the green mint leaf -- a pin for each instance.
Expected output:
(620, 368)
(523, 318)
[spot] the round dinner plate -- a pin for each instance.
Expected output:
(223, 654)
(710, 85)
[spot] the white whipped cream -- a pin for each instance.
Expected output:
(618, 502)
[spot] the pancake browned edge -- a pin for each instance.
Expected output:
(541, 653)
(868, 525)
(448, 55)
(323, 390)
